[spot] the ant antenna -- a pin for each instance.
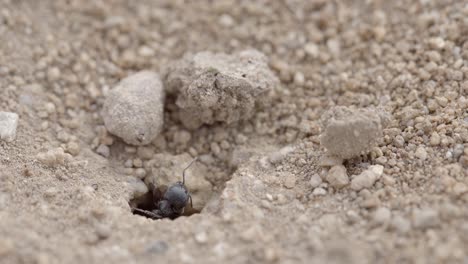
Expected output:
(183, 172)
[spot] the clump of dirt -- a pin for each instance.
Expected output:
(219, 87)
(348, 132)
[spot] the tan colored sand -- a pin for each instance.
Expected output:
(271, 201)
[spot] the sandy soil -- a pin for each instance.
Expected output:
(272, 197)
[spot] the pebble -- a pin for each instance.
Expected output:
(290, 181)
(319, 191)
(337, 176)
(299, 78)
(63, 136)
(352, 216)
(281, 199)
(182, 137)
(133, 110)
(334, 47)
(103, 150)
(139, 188)
(367, 178)
(399, 141)
(382, 215)
(51, 192)
(73, 148)
(388, 180)
(401, 224)
(215, 148)
(53, 74)
(425, 218)
(435, 139)
(157, 247)
(145, 51)
(201, 237)
(140, 173)
(348, 132)
(421, 153)
(50, 108)
(128, 163)
(137, 163)
(312, 50)
(8, 124)
(370, 202)
(103, 231)
(226, 20)
(315, 181)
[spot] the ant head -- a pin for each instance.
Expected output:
(176, 197)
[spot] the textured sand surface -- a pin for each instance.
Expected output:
(274, 197)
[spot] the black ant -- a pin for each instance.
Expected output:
(170, 203)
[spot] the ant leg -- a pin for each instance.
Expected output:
(183, 172)
(190, 197)
(149, 214)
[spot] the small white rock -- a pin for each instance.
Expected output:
(133, 110)
(103, 150)
(140, 173)
(319, 192)
(299, 78)
(401, 224)
(382, 215)
(8, 124)
(315, 181)
(311, 49)
(421, 153)
(334, 47)
(201, 237)
(337, 176)
(53, 74)
(146, 51)
(367, 178)
(377, 170)
(139, 188)
(226, 20)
